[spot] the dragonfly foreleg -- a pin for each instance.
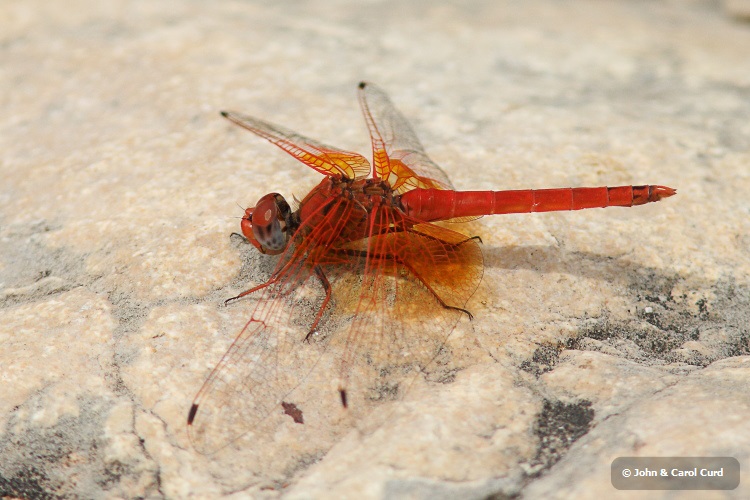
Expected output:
(254, 289)
(277, 274)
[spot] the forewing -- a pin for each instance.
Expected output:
(325, 159)
(398, 156)
(270, 361)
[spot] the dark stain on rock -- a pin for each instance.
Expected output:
(26, 482)
(667, 327)
(558, 426)
(544, 359)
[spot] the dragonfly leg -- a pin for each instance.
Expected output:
(273, 279)
(423, 235)
(254, 289)
(429, 288)
(479, 239)
(327, 287)
(433, 292)
(413, 271)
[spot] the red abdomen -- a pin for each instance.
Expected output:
(436, 204)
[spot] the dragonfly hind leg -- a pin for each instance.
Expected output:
(433, 292)
(429, 236)
(471, 238)
(415, 273)
(426, 285)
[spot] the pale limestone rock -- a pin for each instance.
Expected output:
(463, 433)
(738, 9)
(703, 414)
(611, 384)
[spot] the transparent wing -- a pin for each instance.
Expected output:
(414, 286)
(252, 381)
(398, 156)
(325, 159)
(387, 322)
(270, 358)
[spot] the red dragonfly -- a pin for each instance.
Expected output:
(366, 234)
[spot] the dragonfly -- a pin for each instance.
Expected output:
(389, 284)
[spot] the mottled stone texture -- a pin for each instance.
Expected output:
(596, 334)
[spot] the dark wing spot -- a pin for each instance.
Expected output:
(294, 412)
(191, 413)
(342, 393)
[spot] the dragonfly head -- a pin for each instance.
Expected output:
(265, 224)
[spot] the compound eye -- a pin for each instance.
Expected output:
(266, 224)
(265, 212)
(246, 225)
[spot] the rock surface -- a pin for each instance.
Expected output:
(596, 334)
